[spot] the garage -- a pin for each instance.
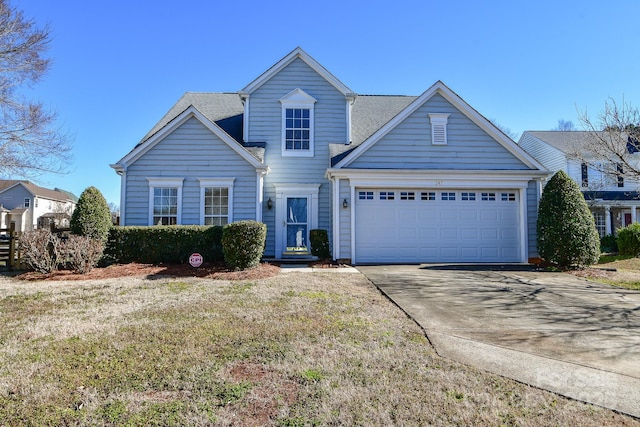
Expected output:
(436, 225)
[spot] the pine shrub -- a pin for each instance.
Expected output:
(320, 244)
(243, 244)
(567, 235)
(91, 217)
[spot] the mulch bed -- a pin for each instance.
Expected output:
(209, 271)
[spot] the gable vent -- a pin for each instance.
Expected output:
(439, 128)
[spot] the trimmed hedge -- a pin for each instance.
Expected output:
(243, 244)
(629, 240)
(163, 244)
(320, 244)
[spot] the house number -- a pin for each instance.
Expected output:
(438, 182)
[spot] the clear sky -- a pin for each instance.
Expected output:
(119, 65)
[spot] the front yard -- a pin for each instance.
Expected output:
(294, 349)
(620, 271)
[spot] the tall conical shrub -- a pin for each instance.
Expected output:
(92, 217)
(567, 234)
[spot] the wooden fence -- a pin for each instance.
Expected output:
(9, 254)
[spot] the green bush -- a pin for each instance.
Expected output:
(91, 217)
(243, 244)
(567, 235)
(320, 244)
(163, 244)
(608, 244)
(629, 240)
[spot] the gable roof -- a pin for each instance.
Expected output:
(440, 88)
(288, 59)
(565, 141)
(37, 191)
(250, 154)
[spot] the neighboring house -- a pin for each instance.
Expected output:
(30, 206)
(392, 178)
(613, 199)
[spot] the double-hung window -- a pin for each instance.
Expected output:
(297, 123)
(165, 201)
(216, 197)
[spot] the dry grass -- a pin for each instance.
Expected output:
(291, 350)
(620, 271)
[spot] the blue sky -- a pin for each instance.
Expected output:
(119, 65)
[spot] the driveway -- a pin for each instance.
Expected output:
(551, 330)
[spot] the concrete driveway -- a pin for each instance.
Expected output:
(551, 330)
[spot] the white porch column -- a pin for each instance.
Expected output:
(633, 214)
(607, 219)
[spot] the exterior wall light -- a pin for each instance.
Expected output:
(269, 204)
(345, 204)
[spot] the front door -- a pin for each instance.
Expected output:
(627, 219)
(297, 226)
(296, 215)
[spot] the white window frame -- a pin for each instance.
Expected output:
(298, 99)
(27, 202)
(165, 183)
(219, 183)
(439, 128)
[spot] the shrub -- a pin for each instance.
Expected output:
(629, 240)
(92, 217)
(81, 253)
(163, 244)
(39, 249)
(320, 244)
(567, 235)
(243, 244)
(608, 243)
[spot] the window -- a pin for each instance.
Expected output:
(439, 128)
(448, 196)
(407, 195)
(165, 201)
(585, 174)
(488, 196)
(508, 197)
(620, 176)
(27, 202)
(599, 217)
(365, 195)
(387, 195)
(428, 195)
(297, 123)
(216, 201)
(468, 196)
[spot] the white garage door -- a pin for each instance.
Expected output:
(400, 225)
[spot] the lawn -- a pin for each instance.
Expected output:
(615, 270)
(295, 349)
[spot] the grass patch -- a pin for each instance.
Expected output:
(292, 350)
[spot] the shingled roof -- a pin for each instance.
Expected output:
(57, 194)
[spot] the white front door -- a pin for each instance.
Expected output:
(296, 215)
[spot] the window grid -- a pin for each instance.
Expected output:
(428, 195)
(407, 195)
(216, 206)
(468, 196)
(488, 197)
(620, 171)
(448, 196)
(365, 195)
(387, 195)
(297, 128)
(165, 206)
(27, 202)
(508, 197)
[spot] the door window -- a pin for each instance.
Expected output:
(297, 224)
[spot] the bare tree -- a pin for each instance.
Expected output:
(611, 142)
(506, 130)
(565, 125)
(29, 142)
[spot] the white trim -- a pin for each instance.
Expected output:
(439, 128)
(169, 183)
(217, 182)
(336, 217)
(441, 89)
(259, 195)
(524, 235)
(352, 212)
(284, 190)
(297, 99)
(288, 59)
(245, 119)
(178, 121)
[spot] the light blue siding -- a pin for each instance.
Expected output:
(265, 125)
(533, 197)
(191, 151)
(345, 219)
(408, 146)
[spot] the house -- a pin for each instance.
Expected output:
(30, 206)
(612, 198)
(391, 178)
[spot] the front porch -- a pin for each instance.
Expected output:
(611, 217)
